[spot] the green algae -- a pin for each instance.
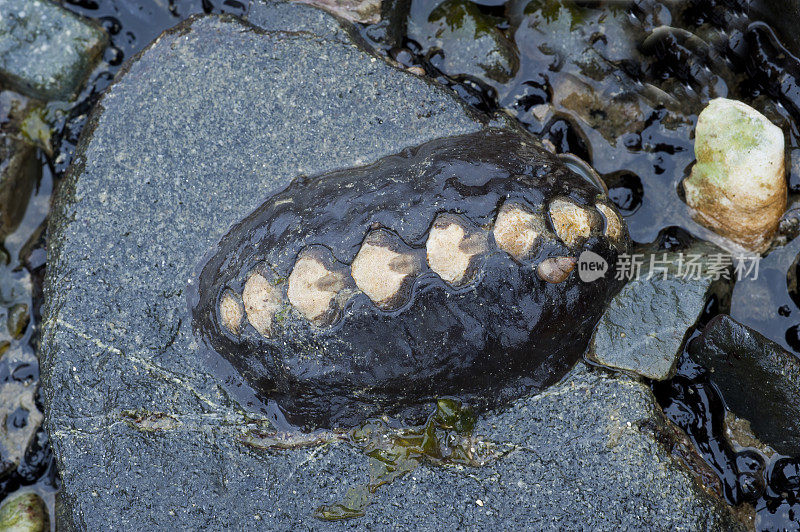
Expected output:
(354, 504)
(476, 45)
(36, 129)
(557, 10)
(445, 438)
(731, 132)
(458, 15)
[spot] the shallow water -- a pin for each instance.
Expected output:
(584, 76)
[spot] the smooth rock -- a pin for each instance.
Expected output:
(613, 113)
(25, 512)
(759, 380)
(46, 51)
(207, 123)
(738, 185)
(645, 325)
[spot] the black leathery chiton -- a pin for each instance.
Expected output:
(376, 289)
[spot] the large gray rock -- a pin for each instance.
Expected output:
(202, 127)
(644, 327)
(46, 51)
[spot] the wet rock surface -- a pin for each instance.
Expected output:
(758, 378)
(46, 51)
(173, 156)
(646, 323)
(614, 425)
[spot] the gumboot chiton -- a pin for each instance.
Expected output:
(376, 289)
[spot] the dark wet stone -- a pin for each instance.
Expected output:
(789, 226)
(19, 172)
(783, 16)
(759, 380)
(646, 323)
(175, 154)
(46, 51)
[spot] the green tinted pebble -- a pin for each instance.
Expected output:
(36, 130)
(737, 188)
(24, 513)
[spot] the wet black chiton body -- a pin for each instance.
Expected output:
(447, 269)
